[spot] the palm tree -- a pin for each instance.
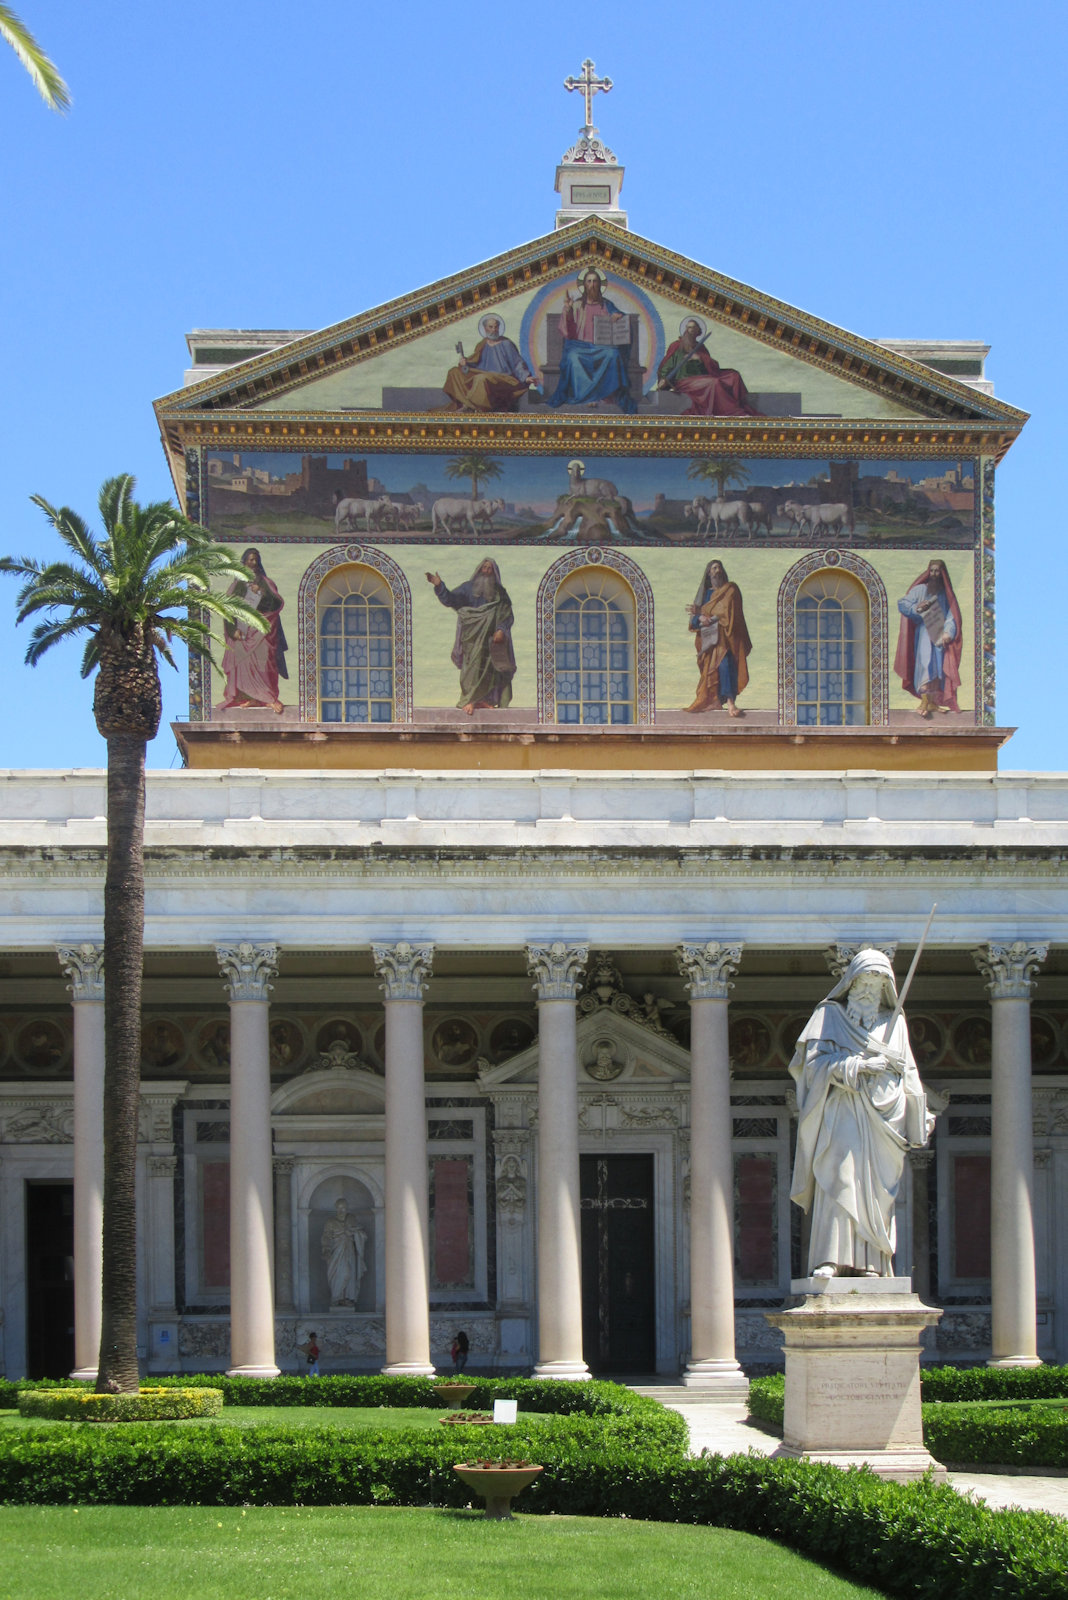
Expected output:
(131, 594)
(721, 471)
(475, 466)
(46, 78)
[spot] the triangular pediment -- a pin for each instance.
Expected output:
(395, 361)
(612, 1049)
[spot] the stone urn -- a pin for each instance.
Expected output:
(498, 1482)
(453, 1394)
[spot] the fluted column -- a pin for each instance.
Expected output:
(248, 970)
(557, 971)
(84, 965)
(283, 1233)
(1008, 970)
(404, 970)
(708, 969)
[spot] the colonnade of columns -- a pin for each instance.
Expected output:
(557, 970)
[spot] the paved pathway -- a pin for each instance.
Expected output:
(723, 1429)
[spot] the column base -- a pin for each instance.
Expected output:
(254, 1372)
(568, 1371)
(408, 1369)
(723, 1380)
(1014, 1361)
(84, 1374)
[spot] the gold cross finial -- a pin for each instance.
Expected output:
(588, 85)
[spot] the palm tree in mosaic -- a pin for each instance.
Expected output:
(45, 75)
(721, 471)
(479, 468)
(146, 584)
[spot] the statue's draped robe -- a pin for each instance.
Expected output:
(496, 378)
(590, 371)
(853, 1129)
(712, 390)
(486, 669)
(724, 670)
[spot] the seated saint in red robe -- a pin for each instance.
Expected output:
(712, 390)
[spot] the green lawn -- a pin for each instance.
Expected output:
(392, 1418)
(337, 1553)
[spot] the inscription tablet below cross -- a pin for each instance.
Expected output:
(588, 84)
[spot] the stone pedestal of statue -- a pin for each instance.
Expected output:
(853, 1374)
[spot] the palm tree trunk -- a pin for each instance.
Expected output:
(124, 912)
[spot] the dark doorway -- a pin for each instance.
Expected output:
(618, 1280)
(49, 1279)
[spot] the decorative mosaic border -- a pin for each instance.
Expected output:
(632, 574)
(985, 627)
(877, 621)
(199, 666)
(344, 555)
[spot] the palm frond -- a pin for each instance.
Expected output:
(46, 634)
(47, 81)
(73, 530)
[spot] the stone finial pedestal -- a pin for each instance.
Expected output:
(853, 1375)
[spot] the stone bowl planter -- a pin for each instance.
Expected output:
(498, 1482)
(453, 1394)
(467, 1419)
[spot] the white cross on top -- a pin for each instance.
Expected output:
(588, 85)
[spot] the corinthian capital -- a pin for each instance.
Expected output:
(840, 955)
(403, 969)
(84, 966)
(708, 968)
(248, 969)
(557, 968)
(1009, 969)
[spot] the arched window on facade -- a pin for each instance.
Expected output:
(355, 657)
(832, 643)
(355, 615)
(595, 641)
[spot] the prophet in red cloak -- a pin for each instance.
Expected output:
(253, 661)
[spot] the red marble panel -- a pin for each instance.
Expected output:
(755, 1183)
(971, 1212)
(215, 1224)
(452, 1223)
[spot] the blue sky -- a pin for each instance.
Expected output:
(898, 168)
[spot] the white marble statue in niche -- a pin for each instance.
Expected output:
(860, 1108)
(344, 1247)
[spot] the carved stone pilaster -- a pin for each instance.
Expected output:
(84, 966)
(920, 1160)
(557, 968)
(1009, 969)
(512, 1173)
(840, 955)
(403, 968)
(163, 1167)
(248, 969)
(708, 968)
(1043, 1157)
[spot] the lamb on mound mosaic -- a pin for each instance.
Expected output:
(405, 497)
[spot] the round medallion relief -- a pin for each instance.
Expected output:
(162, 1043)
(971, 1041)
(287, 1045)
(41, 1045)
(749, 1041)
(789, 1033)
(509, 1037)
(1045, 1040)
(603, 1064)
(339, 1030)
(454, 1042)
(213, 1046)
(928, 1040)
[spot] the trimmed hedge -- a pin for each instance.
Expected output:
(149, 1405)
(993, 1383)
(918, 1539)
(962, 1435)
(767, 1399)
